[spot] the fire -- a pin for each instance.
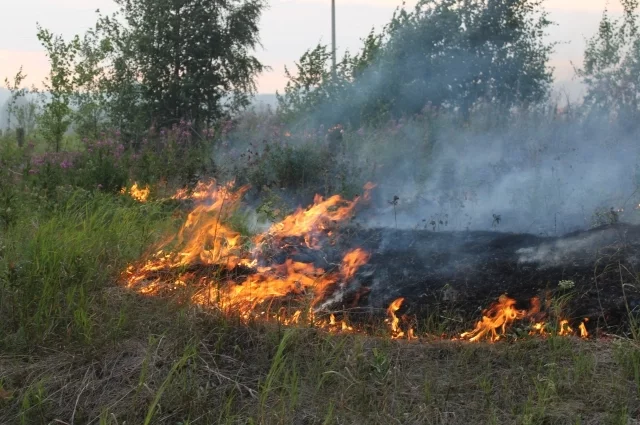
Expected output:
(212, 254)
(200, 192)
(502, 314)
(236, 274)
(352, 261)
(312, 222)
(498, 316)
(538, 329)
(584, 334)
(565, 329)
(289, 279)
(138, 193)
(203, 235)
(394, 321)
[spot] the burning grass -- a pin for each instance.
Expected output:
(260, 279)
(213, 348)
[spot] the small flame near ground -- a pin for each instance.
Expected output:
(140, 194)
(501, 315)
(236, 275)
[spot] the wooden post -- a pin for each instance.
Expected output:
(333, 39)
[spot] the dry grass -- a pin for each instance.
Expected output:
(175, 365)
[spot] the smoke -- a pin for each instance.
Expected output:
(522, 171)
(544, 177)
(571, 248)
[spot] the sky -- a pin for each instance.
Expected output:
(287, 29)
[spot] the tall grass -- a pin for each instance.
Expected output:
(53, 259)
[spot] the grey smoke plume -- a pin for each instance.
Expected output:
(547, 177)
(571, 248)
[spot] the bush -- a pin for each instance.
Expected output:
(107, 164)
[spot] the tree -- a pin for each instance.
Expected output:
(314, 95)
(447, 53)
(181, 59)
(611, 66)
(16, 94)
(27, 112)
(459, 52)
(88, 97)
(59, 86)
(311, 91)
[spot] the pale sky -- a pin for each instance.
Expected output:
(288, 28)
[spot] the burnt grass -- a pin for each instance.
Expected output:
(455, 275)
(449, 278)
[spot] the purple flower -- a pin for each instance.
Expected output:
(32, 171)
(65, 164)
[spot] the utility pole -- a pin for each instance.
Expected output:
(333, 38)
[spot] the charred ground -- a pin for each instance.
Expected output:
(457, 274)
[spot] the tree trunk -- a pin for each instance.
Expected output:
(20, 136)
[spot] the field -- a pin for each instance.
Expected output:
(419, 232)
(82, 344)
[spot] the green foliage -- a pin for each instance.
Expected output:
(57, 114)
(459, 53)
(445, 53)
(311, 91)
(54, 257)
(16, 94)
(189, 60)
(89, 114)
(611, 67)
(303, 166)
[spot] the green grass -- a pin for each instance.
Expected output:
(55, 257)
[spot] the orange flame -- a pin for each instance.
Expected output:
(396, 332)
(565, 329)
(497, 316)
(138, 193)
(500, 315)
(200, 192)
(205, 241)
(234, 277)
(584, 334)
(352, 261)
